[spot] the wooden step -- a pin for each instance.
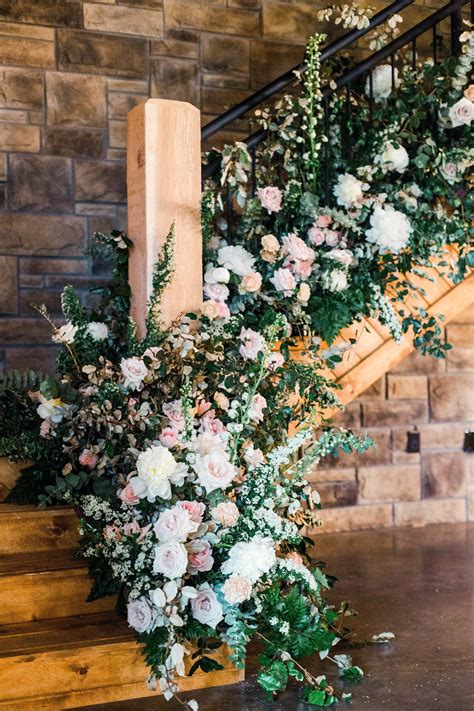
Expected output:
(36, 586)
(80, 661)
(27, 529)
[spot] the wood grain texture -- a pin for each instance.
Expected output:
(164, 187)
(26, 529)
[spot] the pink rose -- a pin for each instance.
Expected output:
(216, 292)
(253, 343)
(168, 437)
(212, 424)
(323, 221)
(222, 401)
(128, 496)
(214, 470)
(200, 558)
(283, 280)
(205, 607)
(112, 533)
(88, 459)
(226, 513)
(461, 113)
(174, 525)
(195, 510)
(237, 589)
(134, 371)
(276, 360)
(253, 457)
(332, 238)
(172, 410)
(316, 235)
(270, 198)
(131, 528)
(215, 309)
(296, 248)
(250, 283)
(256, 408)
(302, 268)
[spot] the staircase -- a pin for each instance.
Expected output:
(58, 651)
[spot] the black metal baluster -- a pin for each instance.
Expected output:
(371, 96)
(392, 66)
(456, 26)
(349, 120)
(413, 54)
(253, 156)
(435, 45)
(327, 149)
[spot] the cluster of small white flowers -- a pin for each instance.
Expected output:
(386, 313)
(98, 509)
(271, 524)
(298, 572)
(465, 60)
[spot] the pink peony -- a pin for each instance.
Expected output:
(270, 198)
(237, 589)
(253, 343)
(200, 558)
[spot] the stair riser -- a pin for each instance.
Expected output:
(38, 531)
(39, 681)
(40, 596)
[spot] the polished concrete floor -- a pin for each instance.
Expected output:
(416, 583)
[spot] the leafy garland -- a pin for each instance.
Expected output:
(174, 448)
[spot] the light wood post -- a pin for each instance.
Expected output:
(164, 186)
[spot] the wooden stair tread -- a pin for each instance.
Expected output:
(25, 528)
(43, 562)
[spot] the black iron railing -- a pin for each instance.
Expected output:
(407, 40)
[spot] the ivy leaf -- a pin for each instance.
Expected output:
(275, 678)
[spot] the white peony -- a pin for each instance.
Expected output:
(65, 334)
(348, 190)
(250, 559)
(390, 229)
(174, 525)
(393, 158)
(97, 330)
(205, 607)
(155, 467)
(461, 113)
(335, 280)
(382, 82)
(214, 471)
(171, 560)
(236, 258)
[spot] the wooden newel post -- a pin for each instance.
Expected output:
(164, 186)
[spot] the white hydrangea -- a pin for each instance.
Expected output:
(236, 259)
(390, 229)
(348, 190)
(250, 559)
(97, 330)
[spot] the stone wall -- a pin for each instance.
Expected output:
(69, 73)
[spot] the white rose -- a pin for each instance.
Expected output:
(390, 229)
(382, 82)
(134, 371)
(216, 292)
(236, 258)
(304, 292)
(171, 560)
(283, 280)
(207, 443)
(140, 615)
(174, 525)
(461, 113)
(205, 607)
(65, 334)
(348, 190)
(214, 471)
(335, 280)
(344, 256)
(155, 467)
(270, 198)
(226, 513)
(217, 275)
(393, 158)
(97, 330)
(250, 559)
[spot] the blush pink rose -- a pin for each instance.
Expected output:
(173, 411)
(316, 235)
(200, 558)
(283, 280)
(253, 343)
(215, 309)
(195, 510)
(256, 408)
(131, 528)
(297, 248)
(332, 238)
(295, 558)
(270, 198)
(88, 459)
(212, 424)
(276, 360)
(226, 513)
(216, 292)
(323, 221)
(128, 496)
(250, 283)
(237, 589)
(168, 437)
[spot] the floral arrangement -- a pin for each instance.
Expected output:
(352, 197)
(175, 451)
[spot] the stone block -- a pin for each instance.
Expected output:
(118, 134)
(246, 4)
(119, 104)
(26, 52)
(177, 43)
(460, 359)
(401, 387)
(220, 53)
(402, 457)
(132, 86)
(443, 474)
(460, 334)
(296, 21)
(18, 29)
(31, 298)
(339, 493)
(9, 285)
(19, 138)
(42, 235)
(420, 513)
(41, 183)
(21, 88)
(42, 265)
(151, 4)
(209, 17)
(73, 142)
(376, 391)
(355, 518)
(75, 99)
(14, 331)
(100, 181)
(394, 412)
(418, 364)
(433, 436)
(13, 116)
(451, 397)
(124, 19)
(350, 417)
(216, 101)
(389, 483)
(175, 79)
(35, 358)
(31, 281)
(336, 474)
(226, 81)
(102, 54)
(467, 316)
(3, 166)
(43, 12)
(269, 60)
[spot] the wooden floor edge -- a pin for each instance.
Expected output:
(390, 353)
